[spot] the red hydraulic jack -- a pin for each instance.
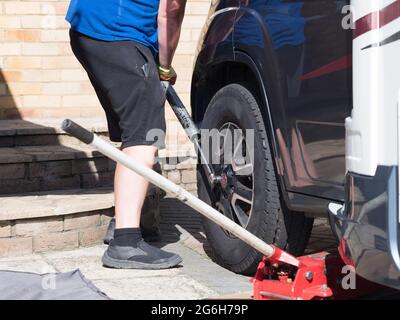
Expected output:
(284, 277)
(312, 277)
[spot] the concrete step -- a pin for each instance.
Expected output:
(54, 203)
(64, 219)
(53, 221)
(54, 190)
(44, 132)
(53, 167)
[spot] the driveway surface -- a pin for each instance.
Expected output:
(198, 277)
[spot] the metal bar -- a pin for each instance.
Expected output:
(174, 190)
(180, 111)
(189, 126)
(183, 195)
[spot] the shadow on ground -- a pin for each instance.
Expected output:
(180, 223)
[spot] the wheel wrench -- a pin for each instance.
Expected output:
(190, 128)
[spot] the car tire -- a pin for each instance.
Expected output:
(269, 218)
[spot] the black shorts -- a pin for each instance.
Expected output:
(125, 77)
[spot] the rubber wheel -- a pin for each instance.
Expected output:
(268, 218)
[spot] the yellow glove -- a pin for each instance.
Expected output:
(167, 74)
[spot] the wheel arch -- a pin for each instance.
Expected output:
(242, 70)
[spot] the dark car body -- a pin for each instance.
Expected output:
(297, 58)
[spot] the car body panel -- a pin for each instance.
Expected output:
(306, 75)
(368, 224)
(303, 53)
(215, 47)
(308, 130)
(368, 228)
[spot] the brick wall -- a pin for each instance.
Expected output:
(26, 236)
(39, 76)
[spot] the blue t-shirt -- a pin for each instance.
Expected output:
(113, 20)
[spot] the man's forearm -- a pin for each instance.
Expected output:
(170, 17)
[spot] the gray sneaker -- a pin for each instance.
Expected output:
(143, 256)
(149, 235)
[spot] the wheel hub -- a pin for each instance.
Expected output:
(227, 182)
(234, 188)
(224, 181)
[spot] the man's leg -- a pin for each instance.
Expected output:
(130, 188)
(128, 249)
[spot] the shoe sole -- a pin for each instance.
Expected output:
(126, 264)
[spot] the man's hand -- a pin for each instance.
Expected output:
(167, 74)
(170, 17)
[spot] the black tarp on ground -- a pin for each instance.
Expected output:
(51, 286)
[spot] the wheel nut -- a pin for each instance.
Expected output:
(309, 275)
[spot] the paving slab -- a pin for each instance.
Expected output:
(179, 287)
(198, 277)
(55, 203)
(88, 260)
(30, 263)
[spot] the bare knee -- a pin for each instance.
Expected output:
(143, 154)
